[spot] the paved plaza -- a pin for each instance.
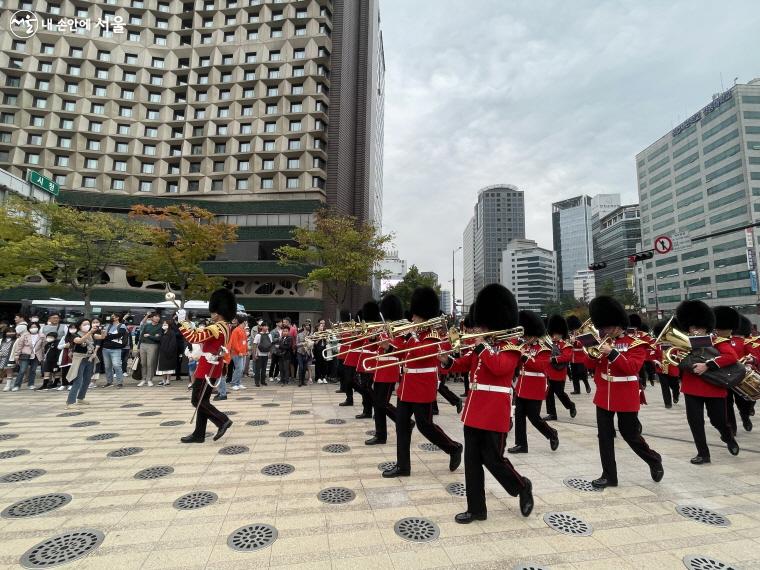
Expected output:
(131, 522)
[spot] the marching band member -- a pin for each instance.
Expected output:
(577, 368)
(742, 347)
(371, 314)
(532, 384)
(668, 373)
(486, 414)
(617, 390)
(418, 389)
(345, 316)
(639, 330)
(752, 356)
(213, 340)
(556, 371)
(697, 319)
(349, 366)
(443, 389)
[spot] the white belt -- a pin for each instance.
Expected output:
(367, 352)
(620, 378)
(387, 359)
(541, 374)
(210, 358)
(420, 370)
(490, 388)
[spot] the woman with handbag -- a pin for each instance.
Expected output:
(28, 353)
(64, 358)
(83, 360)
(7, 364)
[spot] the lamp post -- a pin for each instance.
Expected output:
(454, 282)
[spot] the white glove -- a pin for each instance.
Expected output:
(182, 315)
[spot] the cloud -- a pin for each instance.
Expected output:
(554, 97)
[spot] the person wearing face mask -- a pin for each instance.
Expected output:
(150, 337)
(98, 334)
(167, 352)
(7, 340)
(28, 353)
(66, 346)
(83, 359)
(115, 338)
(50, 368)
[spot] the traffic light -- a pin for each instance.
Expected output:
(597, 266)
(632, 259)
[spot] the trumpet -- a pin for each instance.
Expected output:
(679, 344)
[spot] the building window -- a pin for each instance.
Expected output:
(97, 108)
(151, 132)
(244, 147)
(91, 163)
(99, 91)
(270, 127)
(294, 163)
(37, 140)
(295, 126)
(93, 144)
(293, 182)
(32, 158)
(299, 54)
(271, 109)
(297, 90)
(96, 126)
(250, 57)
(244, 165)
(146, 186)
(123, 129)
(120, 165)
(148, 168)
(172, 187)
(117, 184)
(267, 183)
(219, 166)
(294, 144)
(246, 129)
(275, 56)
(88, 181)
(248, 110)
(122, 147)
(241, 184)
(298, 72)
(269, 145)
(296, 107)
(267, 164)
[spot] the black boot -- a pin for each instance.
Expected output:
(467, 517)
(192, 439)
(347, 403)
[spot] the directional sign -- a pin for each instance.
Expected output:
(681, 241)
(663, 244)
(36, 179)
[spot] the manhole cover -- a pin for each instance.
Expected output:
(270, 405)
(416, 529)
(385, 465)
(706, 563)
(3, 424)
(171, 423)
(335, 422)
(246, 398)
(370, 432)
(7, 436)
(457, 489)
(34, 506)
(102, 436)
(256, 423)
(154, 472)
(580, 484)
(178, 399)
(529, 567)
(336, 448)
(336, 495)
(299, 412)
(278, 469)
(568, 524)
(195, 500)
(69, 414)
(429, 447)
(62, 549)
(10, 454)
(148, 414)
(252, 537)
(24, 475)
(132, 405)
(229, 413)
(85, 424)
(125, 452)
(702, 515)
(291, 433)
(233, 450)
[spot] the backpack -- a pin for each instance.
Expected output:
(265, 343)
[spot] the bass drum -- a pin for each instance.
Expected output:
(749, 387)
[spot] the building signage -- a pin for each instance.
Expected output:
(706, 110)
(36, 179)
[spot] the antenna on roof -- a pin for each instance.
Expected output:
(721, 82)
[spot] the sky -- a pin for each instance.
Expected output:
(555, 97)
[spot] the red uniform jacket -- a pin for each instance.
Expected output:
(343, 346)
(616, 375)
(532, 382)
(486, 408)
(565, 357)
(211, 338)
(391, 374)
(419, 383)
(352, 356)
(739, 346)
(364, 353)
(694, 385)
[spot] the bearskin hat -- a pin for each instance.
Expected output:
(557, 325)
(469, 320)
(425, 303)
(607, 312)
(345, 316)
(658, 327)
(390, 307)
(634, 320)
(726, 318)
(222, 302)
(573, 323)
(495, 308)
(643, 327)
(371, 312)
(745, 327)
(531, 323)
(695, 314)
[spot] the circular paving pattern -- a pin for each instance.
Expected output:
(429, 447)
(246, 398)
(336, 422)
(195, 500)
(256, 423)
(24, 475)
(568, 524)
(702, 515)
(132, 405)
(252, 537)
(278, 469)
(178, 399)
(233, 450)
(385, 465)
(336, 495)
(529, 567)
(125, 452)
(7, 436)
(457, 489)
(148, 414)
(706, 563)
(416, 529)
(62, 549)
(69, 414)
(3, 424)
(270, 405)
(34, 506)
(84, 424)
(336, 448)
(581, 485)
(102, 436)
(154, 472)
(171, 423)
(11, 453)
(291, 433)
(299, 412)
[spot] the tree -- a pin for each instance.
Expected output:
(566, 305)
(342, 252)
(178, 239)
(23, 247)
(413, 279)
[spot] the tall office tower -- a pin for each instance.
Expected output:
(530, 272)
(468, 266)
(698, 179)
(499, 217)
(619, 235)
(262, 112)
(572, 232)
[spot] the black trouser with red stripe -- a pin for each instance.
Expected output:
(381, 401)
(447, 394)
(530, 409)
(695, 415)
(423, 415)
(744, 407)
(206, 410)
(483, 448)
(630, 429)
(364, 387)
(557, 388)
(578, 374)
(347, 382)
(670, 387)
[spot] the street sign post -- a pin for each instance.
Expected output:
(36, 179)
(663, 244)
(681, 241)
